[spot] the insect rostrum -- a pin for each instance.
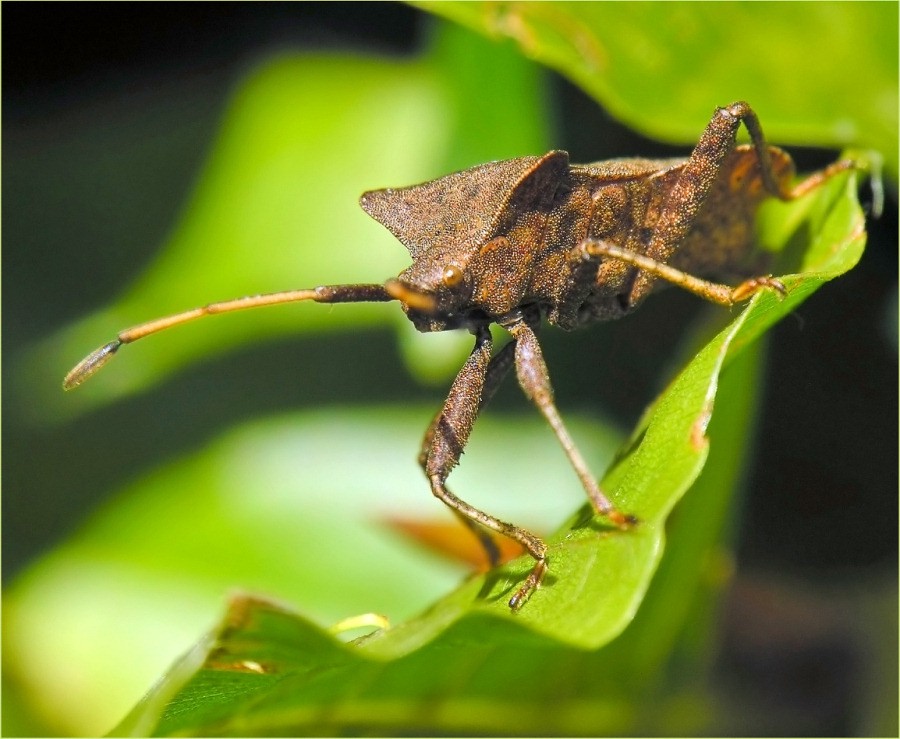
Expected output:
(523, 240)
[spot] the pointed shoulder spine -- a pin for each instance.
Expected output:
(459, 209)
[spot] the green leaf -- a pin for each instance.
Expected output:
(270, 507)
(817, 73)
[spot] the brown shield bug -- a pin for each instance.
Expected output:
(517, 241)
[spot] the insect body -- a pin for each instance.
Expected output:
(517, 241)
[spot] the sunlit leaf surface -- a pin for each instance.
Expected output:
(657, 65)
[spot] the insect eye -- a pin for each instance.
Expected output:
(452, 275)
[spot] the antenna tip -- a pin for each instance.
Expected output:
(90, 364)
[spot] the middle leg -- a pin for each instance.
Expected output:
(535, 381)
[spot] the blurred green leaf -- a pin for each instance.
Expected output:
(289, 163)
(818, 74)
(271, 507)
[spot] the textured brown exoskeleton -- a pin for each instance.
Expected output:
(532, 238)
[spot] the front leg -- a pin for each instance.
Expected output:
(447, 436)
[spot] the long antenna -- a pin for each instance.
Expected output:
(360, 293)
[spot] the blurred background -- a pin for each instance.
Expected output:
(111, 111)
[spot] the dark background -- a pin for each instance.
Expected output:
(821, 497)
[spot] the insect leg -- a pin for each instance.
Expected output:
(531, 371)
(712, 291)
(448, 434)
(692, 188)
(496, 371)
(780, 186)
